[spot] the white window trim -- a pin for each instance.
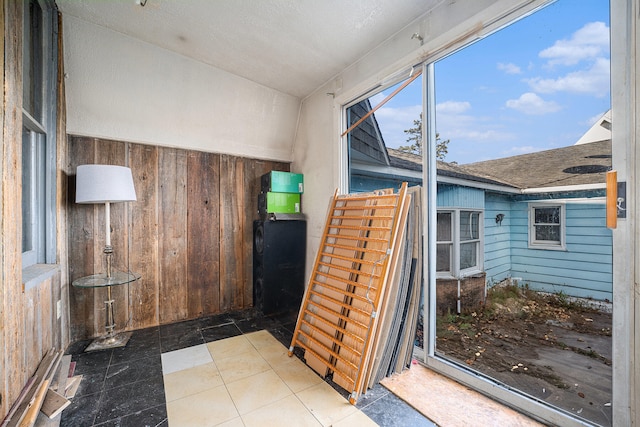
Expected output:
(547, 244)
(456, 272)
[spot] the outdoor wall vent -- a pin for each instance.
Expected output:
(587, 169)
(599, 156)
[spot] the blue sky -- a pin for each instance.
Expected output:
(537, 84)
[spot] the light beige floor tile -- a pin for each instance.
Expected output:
(296, 374)
(185, 358)
(261, 339)
(229, 347)
(241, 366)
(236, 422)
(326, 404)
(358, 418)
(208, 408)
(275, 353)
(191, 381)
(286, 412)
(256, 391)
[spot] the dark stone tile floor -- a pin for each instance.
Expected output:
(124, 387)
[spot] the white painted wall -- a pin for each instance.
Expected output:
(124, 89)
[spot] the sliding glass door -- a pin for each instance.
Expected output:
(510, 139)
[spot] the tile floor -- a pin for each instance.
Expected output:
(228, 370)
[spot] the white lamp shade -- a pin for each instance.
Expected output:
(104, 183)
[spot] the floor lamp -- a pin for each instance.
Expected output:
(97, 184)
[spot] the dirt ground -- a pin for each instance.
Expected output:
(547, 346)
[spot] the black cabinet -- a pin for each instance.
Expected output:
(278, 265)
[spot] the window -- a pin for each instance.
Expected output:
(39, 59)
(546, 226)
(444, 245)
(469, 239)
(458, 243)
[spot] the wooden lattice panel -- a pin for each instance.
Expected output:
(339, 312)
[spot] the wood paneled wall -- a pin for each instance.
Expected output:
(29, 322)
(189, 235)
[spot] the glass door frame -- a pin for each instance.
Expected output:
(530, 405)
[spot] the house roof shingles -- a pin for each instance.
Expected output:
(566, 166)
(573, 165)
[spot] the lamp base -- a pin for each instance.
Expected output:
(118, 340)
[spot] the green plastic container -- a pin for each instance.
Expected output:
(278, 203)
(282, 182)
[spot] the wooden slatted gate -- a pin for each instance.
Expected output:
(340, 309)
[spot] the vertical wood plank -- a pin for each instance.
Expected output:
(249, 214)
(143, 225)
(47, 316)
(111, 153)
(61, 288)
(30, 325)
(231, 236)
(203, 234)
(81, 242)
(3, 285)
(190, 234)
(11, 309)
(172, 232)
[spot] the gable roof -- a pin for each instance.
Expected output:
(366, 140)
(599, 131)
(579, 164)
(574, 165)
(410, 161)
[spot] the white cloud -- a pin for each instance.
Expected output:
(451, 121)
(594, 81)
(479, 135)
(453, 107)
(509, 68)
(466, 127)
(588, 43)
(399, 118)
(530, 103)
(394, 121)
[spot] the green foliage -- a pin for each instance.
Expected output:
(414, 138)
(500, 294)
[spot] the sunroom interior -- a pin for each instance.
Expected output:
(200, 99)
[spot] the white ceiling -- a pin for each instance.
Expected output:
(293, 46)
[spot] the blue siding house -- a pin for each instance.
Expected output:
(536, 219)
(552, 235)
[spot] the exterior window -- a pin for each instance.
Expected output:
(38, 133)
(444, 243)
(458, 241)
(469, 239)
(546, 226)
